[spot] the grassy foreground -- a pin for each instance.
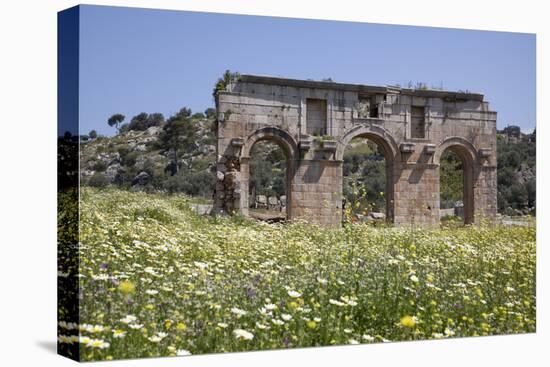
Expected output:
(158, 280)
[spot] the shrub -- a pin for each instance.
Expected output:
(98, 180)
(99, 166)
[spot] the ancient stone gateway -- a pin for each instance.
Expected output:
(313, 122)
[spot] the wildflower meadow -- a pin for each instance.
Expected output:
(156, 279)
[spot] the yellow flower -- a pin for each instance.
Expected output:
(118, 333)
(168, 324)
(181, 326)
(311, 324)
(409, 321)
(126, 287)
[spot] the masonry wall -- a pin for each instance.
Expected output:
(257, 108)
(317, 191)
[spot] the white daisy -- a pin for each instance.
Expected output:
(243, 334)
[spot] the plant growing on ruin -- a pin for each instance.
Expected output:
(227, 78)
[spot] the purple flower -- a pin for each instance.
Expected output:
(251, 293)
(286, 342)
(104, 266)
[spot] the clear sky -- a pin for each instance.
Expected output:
(142, 60)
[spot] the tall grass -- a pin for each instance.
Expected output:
(158, 280)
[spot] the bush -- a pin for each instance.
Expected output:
(99, 166)
(210, 112)
(191, 183)
(98, 180)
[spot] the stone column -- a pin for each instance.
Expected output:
(485, 194)
(243, 185)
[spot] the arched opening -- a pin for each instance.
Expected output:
(367, 180)
(456, 192)
(287, 146)
(268, 183)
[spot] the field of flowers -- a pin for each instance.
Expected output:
(158, 280)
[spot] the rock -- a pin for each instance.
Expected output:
(140, 148)
(208, 149)
(140, 161)
(141, 179)
(153, 130)
(261, 201)
(231, 180)
(201, 209)
(378, 216)
(112, 171)
(86, 173)
(220, 176)
(273, 203)
(459, 209)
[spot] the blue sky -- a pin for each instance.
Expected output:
(142, 60)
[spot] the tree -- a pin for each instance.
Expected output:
(531, 188)
(451, 176)
(115, 120)
(520, 195)
(139, 122)
(210, 112)
(155, 119)
(93, 134)
(178, 136)
(512, 130)
(143, 121)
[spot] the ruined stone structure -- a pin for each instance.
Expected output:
(313, 122)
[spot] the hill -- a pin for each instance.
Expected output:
(137, 159)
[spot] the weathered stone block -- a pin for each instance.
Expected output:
(257, 108)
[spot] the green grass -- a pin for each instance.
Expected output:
(149, 265)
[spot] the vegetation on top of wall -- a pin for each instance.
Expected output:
(222, 83)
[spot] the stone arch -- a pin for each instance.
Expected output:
(390, 149)
(377, 134)
(290, 148)
(274, 134)
(467, 153)
(460, 146)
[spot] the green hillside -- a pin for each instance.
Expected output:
(144, 156)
